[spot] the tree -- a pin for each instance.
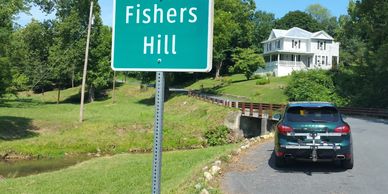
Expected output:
(319, 13)
(298, 19)
(222, 38)
(263, 24)
(247, 61)
(233, 27)
(29, 53)
(9, 8)
(100, 74)
(313, 85)
(323, 16)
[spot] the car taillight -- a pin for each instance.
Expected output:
(345, 129)
(283, 129)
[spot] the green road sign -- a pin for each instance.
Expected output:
(162, 35)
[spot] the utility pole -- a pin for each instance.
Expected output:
(81, 112)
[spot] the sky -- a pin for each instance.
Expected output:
(278, 7)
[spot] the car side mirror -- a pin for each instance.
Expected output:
(277, 117)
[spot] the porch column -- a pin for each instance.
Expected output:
(270, 58)
(278, 58)
(294, 60)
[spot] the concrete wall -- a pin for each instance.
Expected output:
(251, 127)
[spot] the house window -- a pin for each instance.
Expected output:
(321, 45)
(270, 46)
(325, 45)
(323, 60)
(293, 41)
(327, 60)
(299, 44)
(316, 59)
(296, 44)
(298, 58)
(278, 44)
(318, 45)
(281, 57)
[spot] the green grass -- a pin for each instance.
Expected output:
(238, 86)
(124, 173)
(36, 125)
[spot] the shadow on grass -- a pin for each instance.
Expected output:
(151, 101)
(19, 103)
(101, 95)
(13, 128)
(308, 168)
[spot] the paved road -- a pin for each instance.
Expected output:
(256, 172)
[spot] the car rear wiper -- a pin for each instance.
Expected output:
(319, 121)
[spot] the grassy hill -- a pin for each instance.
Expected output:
(36, 125)
(236, 86)
(122, 173)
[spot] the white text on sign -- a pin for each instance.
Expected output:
(159, 15)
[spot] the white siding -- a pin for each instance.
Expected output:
(308, 48)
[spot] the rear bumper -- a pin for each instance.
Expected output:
(314, 153)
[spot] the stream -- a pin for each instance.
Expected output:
(21, 168)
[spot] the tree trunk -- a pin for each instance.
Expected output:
(218, 69)
(72, 76)
(114, 87)
(91, 94)
(59, 95)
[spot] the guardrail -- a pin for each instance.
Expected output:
(264, 109)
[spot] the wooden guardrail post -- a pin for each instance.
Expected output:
(260, 110)
(243, 108)
(251, 109)
(270, 111)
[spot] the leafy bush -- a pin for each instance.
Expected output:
(313, 85)
(217, 136)
(262, 81)
(226, 81)
(257, 77)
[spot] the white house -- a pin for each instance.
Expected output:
(297, 49)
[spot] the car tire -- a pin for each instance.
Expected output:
(280, 162)
(348, 163)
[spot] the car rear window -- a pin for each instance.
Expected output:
(312, 114)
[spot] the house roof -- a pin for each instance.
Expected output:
(296, 32)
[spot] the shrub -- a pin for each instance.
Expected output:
(257, 77)
(262, 81)
(313, 85)
(217, 136)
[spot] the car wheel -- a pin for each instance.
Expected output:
(280, 162)
(347, 164)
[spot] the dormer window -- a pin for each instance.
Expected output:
(278, 44)
(321, 45)
(295, 44)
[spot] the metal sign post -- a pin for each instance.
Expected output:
(162, 36)
(158, 133)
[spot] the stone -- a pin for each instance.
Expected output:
(214, 170)
(205, 168)
(217, 162)
(204, 191)
(208, 176)
(198, 186)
